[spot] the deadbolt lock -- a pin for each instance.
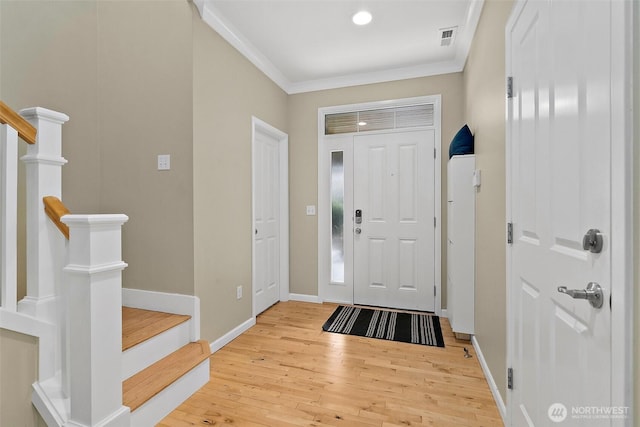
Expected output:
(593, 241)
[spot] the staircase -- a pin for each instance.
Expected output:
(161, 367)
(100, 364)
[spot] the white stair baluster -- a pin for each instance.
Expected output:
(8, 217)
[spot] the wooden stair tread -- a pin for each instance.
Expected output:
(139, 325)
(149, 382)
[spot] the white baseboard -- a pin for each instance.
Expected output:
(443, 313)
(160, 301)
(502, 408)
(305, 298)
(232, 334)
(167, 303)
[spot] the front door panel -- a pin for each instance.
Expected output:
(394, 244)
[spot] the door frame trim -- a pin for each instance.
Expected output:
(258, 125)
(324, 239)
(622, 215)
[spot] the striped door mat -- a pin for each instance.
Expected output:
(387, 325)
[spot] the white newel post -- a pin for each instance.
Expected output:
(94, 301)
(8, 217)
(44, 163)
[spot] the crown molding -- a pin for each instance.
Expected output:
(235, 38)
(464, 39)
(359, 79)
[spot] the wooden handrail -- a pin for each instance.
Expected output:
(55, 210)
(13, 119)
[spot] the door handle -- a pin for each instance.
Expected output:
(593, 293)
(358, 230)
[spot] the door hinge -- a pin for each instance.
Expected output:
(434, 153)
(434, 291)
(434, 222)
(510, 378)
(509, 87)
(510, 233)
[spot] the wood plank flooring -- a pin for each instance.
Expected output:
(285, 371)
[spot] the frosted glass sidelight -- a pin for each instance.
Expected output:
(337, 217)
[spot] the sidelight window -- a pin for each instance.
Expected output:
(337, 217)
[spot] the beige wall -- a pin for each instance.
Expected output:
(484, 86)
(144, 105)
(18, 370)
(48, 59)
(303, 159)
(122, 71)
(227, 91)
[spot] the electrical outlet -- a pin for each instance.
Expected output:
(239, 292)
(164, 162)
(311, 209)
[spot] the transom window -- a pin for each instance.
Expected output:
(380, 119)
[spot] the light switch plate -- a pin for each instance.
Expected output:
(311, 209)
(164, 162)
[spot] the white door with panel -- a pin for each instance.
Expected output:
(266, 263)
(559, 173)
(394, 220)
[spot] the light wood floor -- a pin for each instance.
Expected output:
(285, 371)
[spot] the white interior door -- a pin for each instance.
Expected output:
(394, 242)
(559, 165)
(266, 194)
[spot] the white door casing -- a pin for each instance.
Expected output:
(343, 292)
(394, 192)
(270, 216)
(565, 136)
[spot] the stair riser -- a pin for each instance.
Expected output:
(150, 351)
(171, 397)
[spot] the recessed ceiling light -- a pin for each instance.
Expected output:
(362, 18)
(362, 123)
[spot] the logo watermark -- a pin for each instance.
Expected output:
(558, 412)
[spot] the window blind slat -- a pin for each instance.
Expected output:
(416, 115)
(380, 119)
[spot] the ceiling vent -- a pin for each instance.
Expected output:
(447, 36)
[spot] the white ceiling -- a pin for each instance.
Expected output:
(306, 45)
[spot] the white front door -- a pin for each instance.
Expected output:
(559, 172)
(394, 243)
(266, 195)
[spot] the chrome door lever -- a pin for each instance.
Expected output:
(593, 293)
